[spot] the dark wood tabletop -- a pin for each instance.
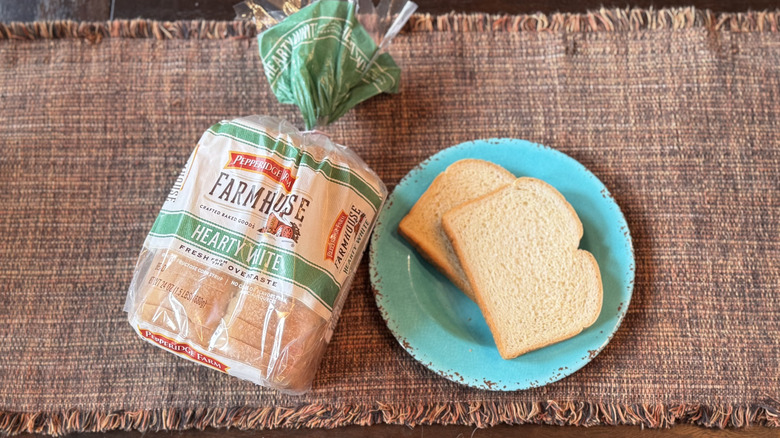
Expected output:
(98, 10)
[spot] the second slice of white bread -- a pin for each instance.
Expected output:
(518, 247)
(462, 181)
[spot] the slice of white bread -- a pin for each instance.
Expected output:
(462, 181)
(518, 247)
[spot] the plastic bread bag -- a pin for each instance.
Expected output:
(250, 260)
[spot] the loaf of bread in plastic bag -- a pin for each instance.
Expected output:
(248, 264)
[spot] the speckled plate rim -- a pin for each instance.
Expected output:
(444, 330)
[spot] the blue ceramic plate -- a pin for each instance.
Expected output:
(443, 329)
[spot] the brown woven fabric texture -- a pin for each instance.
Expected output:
(677, 112)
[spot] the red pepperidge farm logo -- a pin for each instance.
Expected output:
(335, 234)
(183, 349)
(262, 165)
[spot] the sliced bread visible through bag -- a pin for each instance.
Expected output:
(461, 182)
(518, 248)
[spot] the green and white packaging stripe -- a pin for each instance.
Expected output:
(224, 212)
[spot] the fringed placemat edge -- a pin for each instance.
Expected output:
(478, 414)
(603, 20)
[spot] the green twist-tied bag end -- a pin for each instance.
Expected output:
(320, 59)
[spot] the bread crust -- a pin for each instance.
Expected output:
(427, 250)
(600, 283)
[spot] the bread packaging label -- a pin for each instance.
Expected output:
(248, 263)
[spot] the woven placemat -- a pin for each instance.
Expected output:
(676, 111)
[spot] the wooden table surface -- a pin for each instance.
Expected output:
(98, 10)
